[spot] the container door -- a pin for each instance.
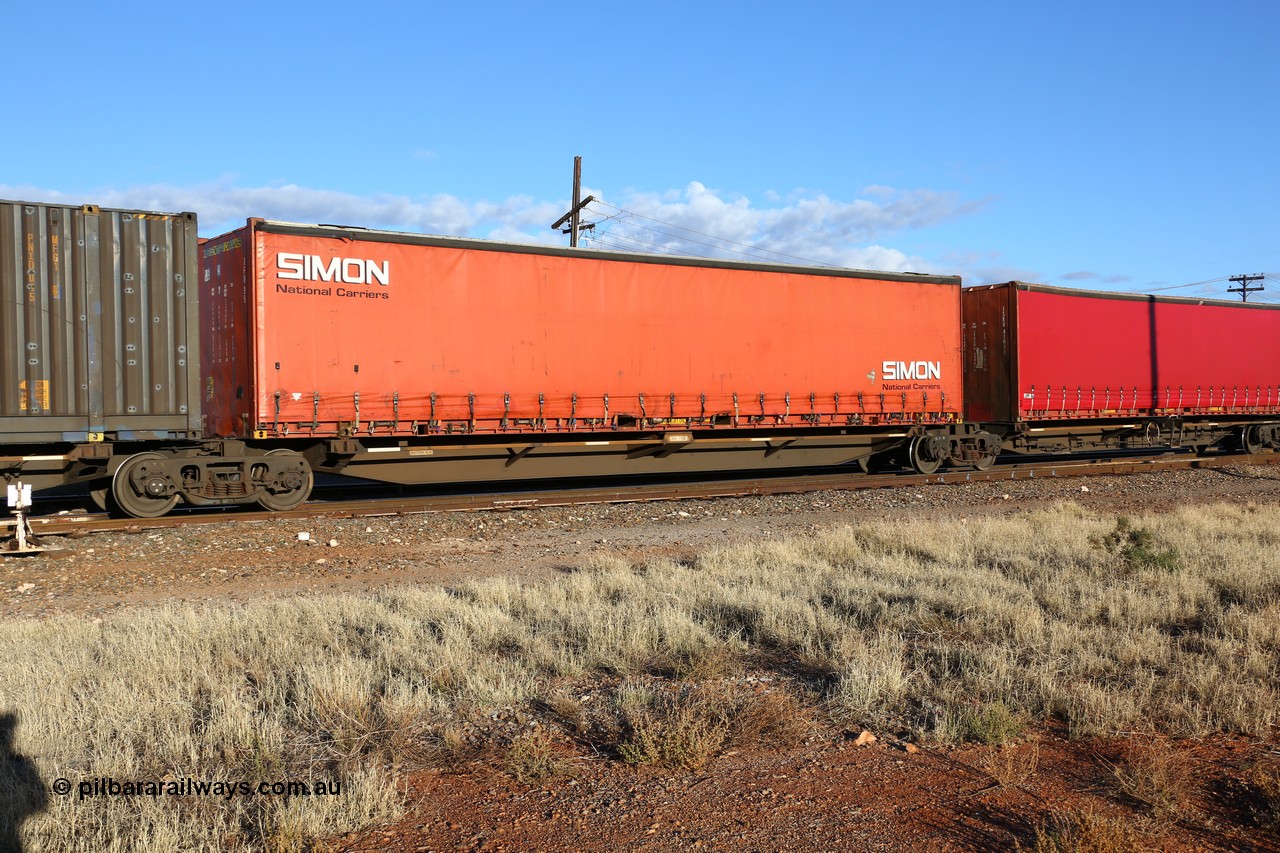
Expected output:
(987, 318)
(42, 355)
(141, 294)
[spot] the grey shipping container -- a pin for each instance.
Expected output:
(99, 325)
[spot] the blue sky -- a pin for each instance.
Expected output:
(1124, 146)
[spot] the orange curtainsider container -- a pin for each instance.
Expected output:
(333, 331)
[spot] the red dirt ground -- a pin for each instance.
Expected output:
(827, 794)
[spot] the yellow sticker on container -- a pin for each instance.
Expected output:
(34, 399)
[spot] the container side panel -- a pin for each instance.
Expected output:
(226, 332)
(1218, 358)
(1084, 356)
(94, 320)
(375, 336)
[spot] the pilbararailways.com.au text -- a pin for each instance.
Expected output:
(106, 786)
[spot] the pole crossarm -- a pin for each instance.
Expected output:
(563, 219)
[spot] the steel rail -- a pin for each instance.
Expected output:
(50, 525)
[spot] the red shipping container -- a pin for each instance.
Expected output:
(322, 330)
(1036, 353)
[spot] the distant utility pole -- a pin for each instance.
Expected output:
(1244, 289)
(575, 212)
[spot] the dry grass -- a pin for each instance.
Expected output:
(685, 727)
(964, 629)
(565, 710)
(991, 723)
(776, 719)
(677, 730)
(1011, 765)
(1158, 776)
(447, 746)
(533, 757)
(1086, 832)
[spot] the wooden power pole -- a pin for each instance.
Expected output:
(573, 217)
(1244, 289)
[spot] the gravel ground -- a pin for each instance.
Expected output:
(236, 560)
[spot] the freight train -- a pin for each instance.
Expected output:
(147, 366)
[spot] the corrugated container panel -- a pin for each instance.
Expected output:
(94, 323)
(1047, 353)
(385, 333)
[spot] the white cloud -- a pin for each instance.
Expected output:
(812, 228)
(803, 227)
(222, 206)
(878, 190)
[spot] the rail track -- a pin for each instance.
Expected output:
(80, 523)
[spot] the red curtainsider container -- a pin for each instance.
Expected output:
(1036, 353)
(334, 331)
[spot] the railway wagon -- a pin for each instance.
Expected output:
(411, 359)
(407, 358)
(1055, 370)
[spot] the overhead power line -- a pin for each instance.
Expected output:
(627, 244)
(1192, 284)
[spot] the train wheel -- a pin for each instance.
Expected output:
(298, 485)
(985, 463)
(140, 487)
(921, 460)
(1250, 439)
